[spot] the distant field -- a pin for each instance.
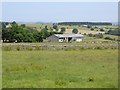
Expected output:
(60, 69)
(69, 29)
(39, 26)
(84, 31)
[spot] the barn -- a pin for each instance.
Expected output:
(65, 38)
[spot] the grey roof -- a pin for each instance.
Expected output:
(69, 35)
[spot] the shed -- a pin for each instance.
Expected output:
(65, 38)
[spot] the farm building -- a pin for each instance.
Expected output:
(65, 38)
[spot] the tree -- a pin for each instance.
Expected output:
(25, 34)
(114, 32)
(75, 31)
(23, 25)
(5, 34)
(63, 29)
(55, 27)
(101, 29)
(17, 33)
(3, 25)
(108, 38)
(6, 23)
(90, 35)
(38, 37)
(44, 33)
(46, 28)
(92, 29)
(19, 37)
(13, 23)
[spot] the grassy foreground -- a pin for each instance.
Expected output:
(60, 69)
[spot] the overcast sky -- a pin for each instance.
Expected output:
(59, 11)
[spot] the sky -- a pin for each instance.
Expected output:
(60, 0)
(59, 11)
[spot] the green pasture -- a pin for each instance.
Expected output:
(60, 69)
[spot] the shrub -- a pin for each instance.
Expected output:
(23, 25)
(101, 29)
(62, 29)
(90, 35)
(75, 31)
(55, 27)
(98, 35)
(92, 29)
(108, 38)
(114, 32)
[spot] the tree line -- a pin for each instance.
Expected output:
(114, 32)
(84, 23)
(21, 33)
(12, 32)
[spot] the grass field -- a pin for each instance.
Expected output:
(81, 30)
(69, 29)
(92, 65)
(60, 69)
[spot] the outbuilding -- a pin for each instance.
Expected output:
(65, 38)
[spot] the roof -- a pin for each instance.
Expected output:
(69, 35)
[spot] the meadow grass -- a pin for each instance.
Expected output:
(60, 69)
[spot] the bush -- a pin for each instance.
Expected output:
(63, 29)
(101, 29)
(23, 25)
(98, 35)
(114, 32)
(90, 35)
(108, 38)
(84, 33)
(55, 27)
(75, 31)
(92, 29)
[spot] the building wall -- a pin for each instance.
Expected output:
(78, 39)
(53, 38)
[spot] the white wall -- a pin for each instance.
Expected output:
(78, 39)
